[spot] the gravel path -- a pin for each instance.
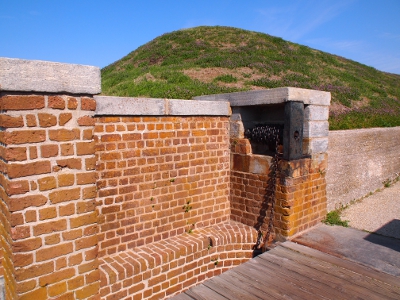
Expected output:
(379, 213)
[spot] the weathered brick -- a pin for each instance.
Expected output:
(67, 210)
(27, 169)
(56, 102)
(86, 178)
(15, 154)
(88, 104)
(64, 195)
(27, 245)
(88, 290)
(85, 206)
(54, 251)
(85, 148)
(47, 213)
(31, 120)
(76, 282)
(47, 120)
(89, 192)
(75, 259)
(17, 219)
(49, 227)
(90, 163)
(52, 239)
(86, 242)
(86, 219)
(33, 153)
(17, 187)
(63, 135)
(72, 103)
(47, 183)
(71, 163)
(58, 276)
(49, 150)
(11, 122)
(24, 137)
(64, 118)
(21, 102)
(21, 203)
(20, 232)
(72, 234)
(86, 121)
(67, 149)
(66, 180)
(40, 293)
(30, 216)
(58, 289)
(22, 259)
(88, 134)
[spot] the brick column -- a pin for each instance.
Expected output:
(47, 177)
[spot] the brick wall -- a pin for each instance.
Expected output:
(106, 197)
(159, 177)
(48, 188)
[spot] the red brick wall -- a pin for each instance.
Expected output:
(159, 177)
(300, 191)
(301, 195)
(48, 196)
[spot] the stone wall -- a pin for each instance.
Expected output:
(360, 161)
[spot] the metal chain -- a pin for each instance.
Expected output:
(265, 134)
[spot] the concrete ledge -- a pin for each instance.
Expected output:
(42, 76)
(109, 105)
(272, 96)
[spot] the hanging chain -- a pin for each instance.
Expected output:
(265, 135)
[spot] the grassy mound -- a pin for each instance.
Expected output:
(210, 60)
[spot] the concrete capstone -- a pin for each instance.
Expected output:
(43, 76)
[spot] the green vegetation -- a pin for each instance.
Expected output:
(210, 60)
(333, 218)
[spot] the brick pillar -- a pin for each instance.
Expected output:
(48, 180)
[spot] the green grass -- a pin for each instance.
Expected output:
(333, 218)
(363, 96)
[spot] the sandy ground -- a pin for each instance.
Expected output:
(378, 213)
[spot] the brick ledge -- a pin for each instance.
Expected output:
(170, 266)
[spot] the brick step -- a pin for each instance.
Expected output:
(164, 268)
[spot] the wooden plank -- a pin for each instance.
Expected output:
(250, 286)
(340, 272)
(265, 286)
(314, 287)
(202, 292)
(344, 286)
(228, 289)
(182, 296)
(274, 282)
(352, 266)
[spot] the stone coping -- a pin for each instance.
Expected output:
(117, 106)
(272, 96)
(21, 75)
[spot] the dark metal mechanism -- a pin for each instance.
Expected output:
(293, 131)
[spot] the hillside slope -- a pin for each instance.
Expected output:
(209, 60)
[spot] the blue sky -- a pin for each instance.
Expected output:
(99, 32)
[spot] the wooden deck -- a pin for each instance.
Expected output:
(292, 271)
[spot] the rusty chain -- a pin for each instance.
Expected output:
(266, 134)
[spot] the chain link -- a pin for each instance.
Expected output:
(265, 134)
